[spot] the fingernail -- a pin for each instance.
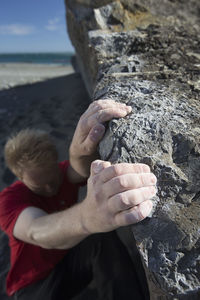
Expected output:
(97, 133)
(153, 179)
(152, 190)
(125, 109)
(98, 167)
(129, 108)
(146, 209)
(135, 216)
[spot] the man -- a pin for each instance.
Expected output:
(57, 245)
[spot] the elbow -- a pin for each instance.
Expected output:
(30, 235)
(34, 238)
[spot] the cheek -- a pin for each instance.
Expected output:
(31, 185)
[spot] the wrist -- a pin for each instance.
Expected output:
(81, 164)
(85, 218)
(75, 161)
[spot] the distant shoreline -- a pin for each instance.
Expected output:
(58, 58)
(14, 74)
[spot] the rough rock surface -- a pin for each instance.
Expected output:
(147, 54)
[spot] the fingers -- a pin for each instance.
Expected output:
(91, 141)
(96, 133)
(98, 165)
(105, 115)
(95, 127)
(103, 111)
(130, 198)
(128, 181)
(135, 214)
(124, 198)
(94, 137)
(103, 104)
(121, 169)
(90, 129)
(122, 177)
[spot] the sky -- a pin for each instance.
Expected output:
(33, 26)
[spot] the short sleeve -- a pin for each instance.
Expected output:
(12, 203)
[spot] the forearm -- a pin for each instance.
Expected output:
(60, 230)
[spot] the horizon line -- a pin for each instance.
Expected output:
(38, 52)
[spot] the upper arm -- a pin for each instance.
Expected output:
(24, 221)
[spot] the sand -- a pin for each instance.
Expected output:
(37, 96)
(12, 74)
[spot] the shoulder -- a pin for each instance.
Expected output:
(13, 200)
(18, 189)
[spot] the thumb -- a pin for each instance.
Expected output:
(94, 136)
(98, 165)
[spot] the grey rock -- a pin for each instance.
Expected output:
(160, 133)
(146, 54)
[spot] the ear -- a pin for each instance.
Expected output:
(18, 173)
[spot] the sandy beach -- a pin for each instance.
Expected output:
(13, 74)
(49, 97)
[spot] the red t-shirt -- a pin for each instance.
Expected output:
(30, 263)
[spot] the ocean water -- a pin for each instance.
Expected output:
(37, 58)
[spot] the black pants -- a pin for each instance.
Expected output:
(100, 259)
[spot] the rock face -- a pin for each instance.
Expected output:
(147, 54)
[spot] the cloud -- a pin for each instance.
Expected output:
(55, 24)
(16, 29)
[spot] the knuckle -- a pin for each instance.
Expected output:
(145, 168)
(141, 180)
(93, 163)
(86, 149)
(92, 104)
(151, 191)
(144, 194)
(98, 103)
(82, 122)
(99, 115)
(121, 182)
(142, 168)
(97, 195)
(135, 197)
(94, 180)
(116, 170)
(123, 201)
(138, 168)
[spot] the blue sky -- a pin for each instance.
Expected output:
(33, 26)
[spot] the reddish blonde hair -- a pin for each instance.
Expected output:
(29, 147)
